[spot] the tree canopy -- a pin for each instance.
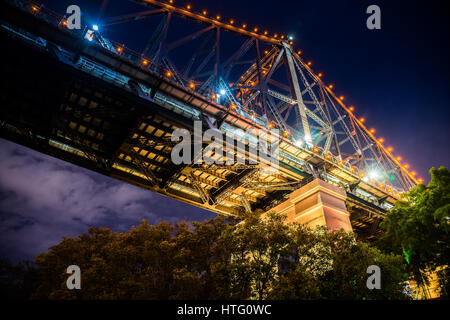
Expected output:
(256, 258)
(419, 227)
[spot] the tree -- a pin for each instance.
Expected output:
(419, 227)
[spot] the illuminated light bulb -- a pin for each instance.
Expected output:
(328, 156)
(390, 149)
(291, 42)
(256, 29)
(119, 49)
(218, 17)
(362, 174)
(398, 158)
(309, 63)
(389, 190)
(352, 108)
(271, 124)
(275, 35)
(362, 120)
(265, 33)
(372, 130)
(204, 12)
(231, 21)
(95, 27)
(233, 106)
(192, 85)
(188, 7)
(144, 62)
(64, 22)
(413, 173)
(330, 86)
(299, 52)
(352, 169)
(222, 92)
(266, 52)
(340, 163)
(282, 37)
(170, 1)
(35, 8)
(406, 166)
(420, 180)
(319, 75)
(381, 185)
(168, 74)
(341, 98)
(381, 140)
(316, 149)
(244, 26)
(285, 134)
(213, 96)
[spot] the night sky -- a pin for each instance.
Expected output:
(396, 78)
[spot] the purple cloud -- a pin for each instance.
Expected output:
(43, 199)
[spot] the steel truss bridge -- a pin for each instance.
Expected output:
(83, 98)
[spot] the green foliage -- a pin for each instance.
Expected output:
(259, 257)
(420, 226)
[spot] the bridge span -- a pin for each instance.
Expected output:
(81, 97)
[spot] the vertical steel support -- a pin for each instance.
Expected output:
(297, 94)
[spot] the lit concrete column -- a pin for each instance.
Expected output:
(317, 204)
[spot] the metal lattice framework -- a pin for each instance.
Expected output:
(277, 87)
(197, 67)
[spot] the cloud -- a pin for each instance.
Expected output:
(43, 199)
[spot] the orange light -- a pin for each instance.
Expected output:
(285, 134)
(309, 63)
(352, 108)
(231, 21)
(362, 120)
(266, 52)
(271, 124)
(144, 62)
(319, 75)
(192, 85)
(362, 174)
(406, 166)
(330, 86)
(275, 35)
(35, 8)
(188, 7)
(420, 180)
(413, 173)
(398, 158)
(328, 156)
(282, 37)
(168, 74)
(340, 163)
(266, 32)
(218, 17)
(316, 149)
(299, 52)
(341, 98)
(204, 12)
(244, 26)
(64, 22)
(291, 42)
(390, 149)
(352, 169)
(256, 29)
(372, 130)
(381, 140)
(233, 106)
(213, 96)
(119, 49)
(170, 1)
(381, 185)
(389, 190)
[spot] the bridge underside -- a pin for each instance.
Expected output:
(59, 110)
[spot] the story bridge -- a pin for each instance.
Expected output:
(81, 97)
